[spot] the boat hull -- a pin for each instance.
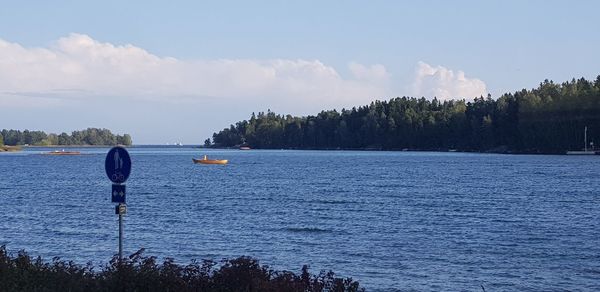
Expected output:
(582, 153)
(210, 161)
(63, 153)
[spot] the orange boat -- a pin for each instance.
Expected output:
(205, 160)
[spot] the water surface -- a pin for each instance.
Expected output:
(391, 220)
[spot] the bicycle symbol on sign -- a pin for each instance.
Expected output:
(118, 177)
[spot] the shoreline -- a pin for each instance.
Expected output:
(73, 146)
(7, 148)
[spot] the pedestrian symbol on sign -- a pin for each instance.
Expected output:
(118, 161)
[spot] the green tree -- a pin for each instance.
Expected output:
(64, 139)
(127, 139)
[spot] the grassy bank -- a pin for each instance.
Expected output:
(5, 148)
(137, 272)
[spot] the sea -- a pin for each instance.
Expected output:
(393, 221)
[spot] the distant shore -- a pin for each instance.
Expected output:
(490, 151)
(74, 146)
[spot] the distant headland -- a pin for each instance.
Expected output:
(548, 119)
(12, 140)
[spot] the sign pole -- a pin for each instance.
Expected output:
(120, 235)
(118, 168)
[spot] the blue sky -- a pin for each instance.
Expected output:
(180, 70)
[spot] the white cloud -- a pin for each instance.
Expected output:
(444, 83)
(78, 68)
(375, 73)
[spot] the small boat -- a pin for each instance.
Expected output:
(245, 148)
(62, 152)
(205, 160)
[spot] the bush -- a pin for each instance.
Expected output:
(142, 273)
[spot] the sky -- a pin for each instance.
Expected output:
(178, 71)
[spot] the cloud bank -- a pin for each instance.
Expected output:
(444, 83)
(78, 68)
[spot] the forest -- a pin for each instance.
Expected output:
(89, 136)
(548, 119)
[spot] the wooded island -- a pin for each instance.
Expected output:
(548, 119)
(89, 136)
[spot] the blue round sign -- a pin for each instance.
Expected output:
(117, 165)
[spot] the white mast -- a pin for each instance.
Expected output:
(585, 139)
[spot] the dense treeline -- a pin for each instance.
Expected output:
(89, 136)
(141, 273)
(547, 119)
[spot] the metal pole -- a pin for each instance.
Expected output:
(120, 234)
